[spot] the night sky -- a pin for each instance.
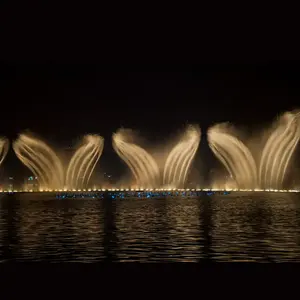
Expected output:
(63, 101)
(60, 77)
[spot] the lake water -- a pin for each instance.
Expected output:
(260, 228)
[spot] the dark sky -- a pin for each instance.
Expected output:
(66, 100)
(63, 101)
(67, 71)
(105, 68)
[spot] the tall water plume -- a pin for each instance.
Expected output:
(4, 146)
(46, 165)
(180, 158)
(269, 169)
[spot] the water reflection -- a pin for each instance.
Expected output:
(9, 228)
(256, 229)
(141, 230)
(206, 227)
(184, 230)
(160, 230)
(285, 230)
(54, 230)
(110, 239)
(220, 228)
(240, 229)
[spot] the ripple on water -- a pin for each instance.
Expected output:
(220, 228)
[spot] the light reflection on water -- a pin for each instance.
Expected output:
(264, 228)
(257, 229)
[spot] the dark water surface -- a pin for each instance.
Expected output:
(263, 228)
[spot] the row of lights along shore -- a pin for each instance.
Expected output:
(150, 190)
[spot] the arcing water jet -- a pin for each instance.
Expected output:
(235, 156)
(4, 146)
(41, 160)
(83, 162)
(180, 158)
(274, 160)
(278, 151)
(142, 165)
(145, 169)
(48, 168)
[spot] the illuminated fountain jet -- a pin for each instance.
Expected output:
(4, 146)
(83, 162)
(41, 160)
(235, 156)
(47, 166)
(142, 165)
(270, 170)
(180, 158)
(146, 170)
(278, 151)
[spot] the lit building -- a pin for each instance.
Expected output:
(31, 183)
(10, 183)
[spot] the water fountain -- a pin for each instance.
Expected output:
(41, 160)
(146, 170)
(278, 151)
(47, 166)
(180, 158)
(4, 146)
(83, 162)
(269, 170)
(142, 165)
(235, 156)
